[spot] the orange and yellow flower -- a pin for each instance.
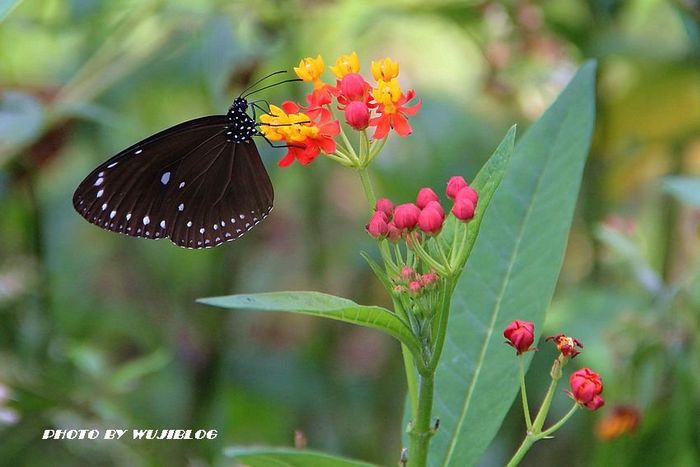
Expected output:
(385, 69)
(311, 69)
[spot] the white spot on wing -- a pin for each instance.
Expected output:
(181, 185)
(99, 181)
(99, 193)
(216, 226)
(104, 206)
(165, 178)
(128, 216)
(112, 214)
(181, 207)
(242, 216)
(162, 224)
(146, 220)
(189, 223)
(138, 152)
(201, 230)
(112, 165)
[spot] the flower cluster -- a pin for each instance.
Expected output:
(308, 130)
(413, 282)
(426, 214)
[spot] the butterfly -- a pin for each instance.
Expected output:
(200, 183)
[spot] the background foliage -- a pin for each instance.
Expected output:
(100, 330)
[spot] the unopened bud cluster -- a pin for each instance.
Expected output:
(425, 215)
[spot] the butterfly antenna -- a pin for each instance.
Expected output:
(261, 80)
(270, 86)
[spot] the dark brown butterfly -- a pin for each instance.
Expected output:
(199, 183)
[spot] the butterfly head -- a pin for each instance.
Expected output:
(240, 105)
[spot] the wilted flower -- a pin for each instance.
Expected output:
(566, 345)
(586, 387)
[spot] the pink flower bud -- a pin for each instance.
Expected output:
(394, 233)
(378, 226)
(468, 193)
(437, 206)
(520, 335)
(463, 209)
(426, 195)
(414, 287)
(430, 220)
(384, 205)
(407, 273)
(455, 184)
(429, 278)
(354, 87)
(357, 115)
(406, 216)
(586, 387)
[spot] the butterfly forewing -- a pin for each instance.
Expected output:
(189, 183)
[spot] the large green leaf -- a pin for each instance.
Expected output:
(289, 457)
(323, 305)
(510, 274)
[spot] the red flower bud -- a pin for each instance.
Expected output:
(354, 87)
(357, 115)
(426, 195)
(406, 216)
(566, 345)
(385, 206)
(455, 184)
(378, 226)
(463, 209)
(468, 193)
(430, 220)
(520, 335)
(586, 387)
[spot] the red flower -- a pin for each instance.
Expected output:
(394, 232)
(463, 209)
(566, 345)
(437, 206)
(406, 216)
(414, 287)
(520, 335)
(429, 278)
(395, 118)
(378, 227)
(407, 273)
(384, 205)
(318, 104)
(455, 184)
(357, 115)
(426, 195)
(430, 220)
(586, 387)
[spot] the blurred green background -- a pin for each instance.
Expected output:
(101, 331)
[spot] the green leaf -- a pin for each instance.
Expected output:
(323, 305)
(289, 457)
(510, 274)
(486, 182)
(684, 189)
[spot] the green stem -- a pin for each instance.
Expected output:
(523, 393)
(547, 402)
(422, 254)
(367, 186)
(411, 377)
(444, 314)
(421, 431)
(520, 453)
(558, 425)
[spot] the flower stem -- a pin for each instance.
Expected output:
(523, 393)
(367, 186)
(421, 431)
(522, 450)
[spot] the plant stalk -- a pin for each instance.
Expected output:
(422, 431)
